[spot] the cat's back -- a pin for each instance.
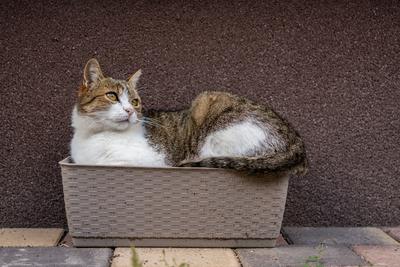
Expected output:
(217, 109)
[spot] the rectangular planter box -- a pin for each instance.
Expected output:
(171, 207)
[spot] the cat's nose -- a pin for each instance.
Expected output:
(129, 110)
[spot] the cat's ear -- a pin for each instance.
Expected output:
(92, 73)
(133, 80)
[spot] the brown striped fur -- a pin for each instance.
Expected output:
(181, 134)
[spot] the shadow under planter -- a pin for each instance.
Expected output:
(109, 206)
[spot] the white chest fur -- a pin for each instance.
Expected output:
(128, 147)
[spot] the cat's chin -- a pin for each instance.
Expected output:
(123, 125)
(119, 125)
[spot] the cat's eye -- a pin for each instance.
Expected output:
(135, 102)
(112, 96)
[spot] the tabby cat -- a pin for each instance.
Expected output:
(218, 130)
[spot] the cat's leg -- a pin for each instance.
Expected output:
(246, 138)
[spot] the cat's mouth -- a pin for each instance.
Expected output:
(122, 120)
(127, 120)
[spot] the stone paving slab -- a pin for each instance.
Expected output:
(338, 235)
(195, 257)
(55, 256)
(380, 255)
(301, 256)
(394, 232)
(30, 237)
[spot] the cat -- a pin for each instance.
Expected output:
(218, 130)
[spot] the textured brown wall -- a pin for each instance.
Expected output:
(332, 69)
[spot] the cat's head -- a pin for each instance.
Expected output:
(108, 103)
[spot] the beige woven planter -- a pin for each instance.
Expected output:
(171, 207)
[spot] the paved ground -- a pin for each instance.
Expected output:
(302, 246)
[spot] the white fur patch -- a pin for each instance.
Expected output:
(124, 99)
(95, 143)
(242, 139)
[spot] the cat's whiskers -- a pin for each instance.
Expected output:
(153, 123)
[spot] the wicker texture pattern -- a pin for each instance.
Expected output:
(131, 202)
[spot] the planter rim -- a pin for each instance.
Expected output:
(68, 162)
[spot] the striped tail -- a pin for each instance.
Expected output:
(293, 160)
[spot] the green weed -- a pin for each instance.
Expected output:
(135, 258)
(316, 260)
